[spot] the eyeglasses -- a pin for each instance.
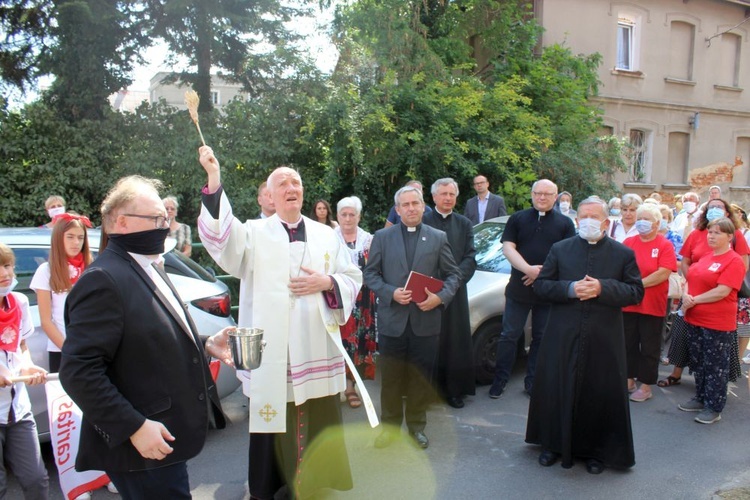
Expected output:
(543, 195)
(160, 221)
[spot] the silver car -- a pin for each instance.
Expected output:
(207, 299)
(486, 290)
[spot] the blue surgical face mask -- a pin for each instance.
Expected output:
(5, 290)
(644, 226)
(590, 229)
(715, 213)
(614, 211)
(663, 225)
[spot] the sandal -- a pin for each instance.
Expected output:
(669, 381)
(353, 399)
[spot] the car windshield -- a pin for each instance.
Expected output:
(489, 248)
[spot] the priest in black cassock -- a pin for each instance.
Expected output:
(455, 366)
(579, 403)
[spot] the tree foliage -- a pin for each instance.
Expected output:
(250, 42)
(423, 89)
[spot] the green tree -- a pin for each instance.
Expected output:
(97, 42)
(540, 123)
(248, 41)
(25, 26)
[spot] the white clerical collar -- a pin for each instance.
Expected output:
(444, 215)
(291, 225)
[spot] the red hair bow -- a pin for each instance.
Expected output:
(69, 217)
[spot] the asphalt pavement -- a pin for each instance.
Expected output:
(479, 452)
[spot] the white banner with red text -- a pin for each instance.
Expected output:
(64, 430)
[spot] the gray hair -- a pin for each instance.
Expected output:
(407, 189)
(691, 194)
(350, 202)
(546, 181)
(631, 199)
(445, 181)
(613, 200)
(123, 193)
(595, 200)
(283, 168)
(650, 208)
(173, 200)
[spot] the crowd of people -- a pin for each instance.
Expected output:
(338, 304)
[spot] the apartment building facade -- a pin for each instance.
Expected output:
(222, 91)
(673, 82)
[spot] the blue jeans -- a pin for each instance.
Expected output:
(514, 320)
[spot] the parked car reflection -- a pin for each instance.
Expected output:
(206, 298)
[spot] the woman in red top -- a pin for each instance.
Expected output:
(643, 322)
(696, 247)
(710, 308)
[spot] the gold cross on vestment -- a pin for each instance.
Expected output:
(268, 413)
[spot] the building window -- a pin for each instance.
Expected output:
(625, 44)
(729, 66)
(742, 155)
(677, 157)
(638, 155)
(682, 44)
(215, 97)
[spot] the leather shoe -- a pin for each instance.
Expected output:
(384, 439)
(594, 466)
(455, 402)
(548, 458)
(421, 439)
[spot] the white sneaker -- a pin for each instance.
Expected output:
(111, 487)
(84, 496)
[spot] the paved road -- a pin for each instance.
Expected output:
(478, 452)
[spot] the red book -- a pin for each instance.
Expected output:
(417, 282)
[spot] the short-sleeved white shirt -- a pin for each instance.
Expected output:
(40, 281)
(12, 361)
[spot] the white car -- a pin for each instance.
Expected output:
(207, 299)
(486, 291)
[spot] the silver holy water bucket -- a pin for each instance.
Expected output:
(247, 347)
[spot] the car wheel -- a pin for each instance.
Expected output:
(485, 350)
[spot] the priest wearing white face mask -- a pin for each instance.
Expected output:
(579, 403)
(685, 221)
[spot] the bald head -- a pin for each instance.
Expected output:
(543, 195)
(285, 187)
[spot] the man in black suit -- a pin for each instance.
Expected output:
(455, 366)
(484, 205)
(132, 359)
(408, 331)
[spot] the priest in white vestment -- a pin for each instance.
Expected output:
(298, 284)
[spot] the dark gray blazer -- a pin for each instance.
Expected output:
(495, 208)
(388, 270)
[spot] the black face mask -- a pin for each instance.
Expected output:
(149, 242)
